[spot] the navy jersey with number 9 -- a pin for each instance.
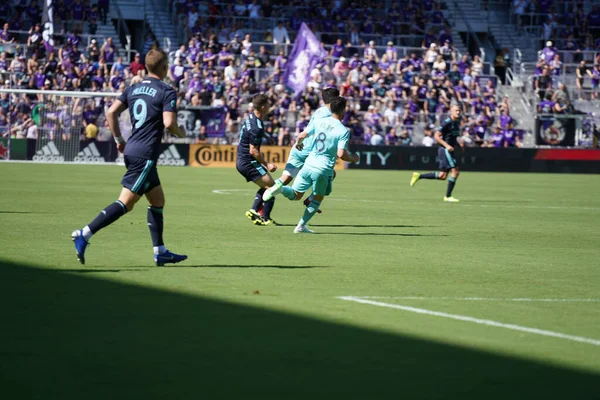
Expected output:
(146, 102)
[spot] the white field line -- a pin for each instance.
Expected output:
(244, 191)
(231, 191)
(478, 321)
(517, 299)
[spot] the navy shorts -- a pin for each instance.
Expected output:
(251, 170)
(446, 159)
(141, 175)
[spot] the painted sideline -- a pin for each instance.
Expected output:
(522, 299)
(465, 318)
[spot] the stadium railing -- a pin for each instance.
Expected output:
(21, 42)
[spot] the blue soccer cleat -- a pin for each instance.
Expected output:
(168, 258)
(80, 245)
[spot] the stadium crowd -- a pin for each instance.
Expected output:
(393, 91)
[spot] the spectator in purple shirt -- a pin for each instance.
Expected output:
(595, 75)
(504, 119)
(390, 137)
(73, 38)
(108, 50)
(511, 139)
(39, 77)
(549, 52)
(225, 56)
(5, 36)
(194, 86)
(337, 49)
(497, 139)
(355, 62)
(547, 106)
(176, 72)
(99, 79)
(463, 64)
(115, 80)
(416, 62)
(391, 51)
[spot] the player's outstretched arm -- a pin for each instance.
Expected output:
(112, 116)
(344, 155)
(303, 135)
(170, 122)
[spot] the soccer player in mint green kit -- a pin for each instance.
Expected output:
(330, 138)
(297, 157)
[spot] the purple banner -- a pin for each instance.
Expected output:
(212, 119)
(306, 53)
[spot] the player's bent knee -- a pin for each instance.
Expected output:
(299, 196)
(128, 204)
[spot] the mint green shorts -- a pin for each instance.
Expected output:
(321, 184)
(295, 163)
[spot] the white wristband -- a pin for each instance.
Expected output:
(119, 140)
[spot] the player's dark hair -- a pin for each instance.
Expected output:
(338, 106)
(259, 101)
(155, 59)
(329, 94)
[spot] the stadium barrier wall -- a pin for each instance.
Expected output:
(90, 152)
(554, 160)
(213, 155)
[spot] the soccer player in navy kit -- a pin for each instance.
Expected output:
(151, 104)
(447, 137)
(250, 163)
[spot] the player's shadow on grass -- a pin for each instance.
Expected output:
(373, 234)
(368, 226)
(183, 265)
(360, 226)
(469, 201)
(93, 270)
(17, 212)
(73, 336)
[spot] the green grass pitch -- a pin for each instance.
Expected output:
(255, 311)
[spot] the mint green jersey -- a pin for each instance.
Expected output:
(329, 135)
(298, 157)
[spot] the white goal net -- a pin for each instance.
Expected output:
(66, 126)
